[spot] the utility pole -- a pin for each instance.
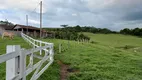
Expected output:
(27, 22)
(40, 19)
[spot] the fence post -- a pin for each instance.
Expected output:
(22, 65)
(60, 47)
(68, 44)
(51, 52)
(12, 64)
(40, 50)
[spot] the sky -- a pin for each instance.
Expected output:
(111, 14)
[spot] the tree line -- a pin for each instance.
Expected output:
(135, 31)
(78, 28)
(68, 34)
(75, 32)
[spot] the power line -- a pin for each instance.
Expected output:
(40, 16)
(35, 8)
(3, 15)
(33, 11)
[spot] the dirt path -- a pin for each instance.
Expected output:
(63, 71)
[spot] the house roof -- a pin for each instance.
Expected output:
(29, 27)
(25, 27)
(7, 27)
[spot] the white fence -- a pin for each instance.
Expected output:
(15, 58)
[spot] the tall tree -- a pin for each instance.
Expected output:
(64, 26)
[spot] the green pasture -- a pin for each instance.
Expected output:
(105, 57)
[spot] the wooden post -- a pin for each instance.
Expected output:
(22, 30)
(68, 44)
(12, 64)
(40, 50)
(51, 52)
(22, 65)
(60, 48)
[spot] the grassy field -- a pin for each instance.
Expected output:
(3, 44)
(116, 40)
(48, 74)
(108, 57)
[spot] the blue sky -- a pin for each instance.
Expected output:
(112, 14)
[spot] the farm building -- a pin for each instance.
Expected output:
(32, 31)
(29, 30)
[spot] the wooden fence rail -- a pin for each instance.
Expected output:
(15, 58)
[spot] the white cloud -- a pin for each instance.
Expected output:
(74, 14)
(98, 4)
(29, 5)
(99, 13)
(33, 21)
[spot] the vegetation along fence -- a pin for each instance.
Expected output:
(15, 57)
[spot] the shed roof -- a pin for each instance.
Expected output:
(7, 27)
(25, 27)
(29, 27)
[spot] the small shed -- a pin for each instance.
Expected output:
(30, 30)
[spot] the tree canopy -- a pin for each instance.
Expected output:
(6, 23)
(135, 31)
